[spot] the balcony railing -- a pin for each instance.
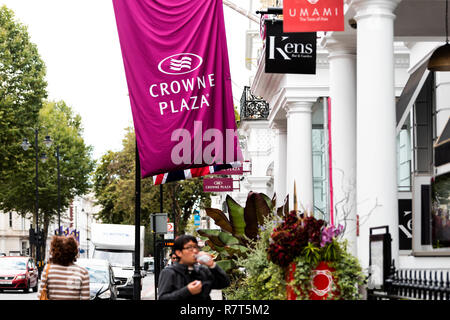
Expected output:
(252, 107)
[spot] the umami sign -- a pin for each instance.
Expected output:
(313, 15)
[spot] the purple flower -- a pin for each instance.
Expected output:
(338, 230)
(329, 233)
(327, 236)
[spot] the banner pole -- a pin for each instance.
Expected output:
(137, 233)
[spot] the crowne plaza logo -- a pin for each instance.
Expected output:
(180, 63)
(183, 63)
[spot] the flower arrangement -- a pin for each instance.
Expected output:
(300, 234)
(292, 255)
(304, 247)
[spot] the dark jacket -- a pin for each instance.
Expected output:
(173, 281)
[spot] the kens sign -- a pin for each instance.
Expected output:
(313, 15)
(289, 52)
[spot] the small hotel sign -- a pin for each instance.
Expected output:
(217, 184)
(313, 15)
(231, 171)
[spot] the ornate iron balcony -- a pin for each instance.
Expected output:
(252, 107)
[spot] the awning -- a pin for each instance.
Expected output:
(410, 93)
(442, 147)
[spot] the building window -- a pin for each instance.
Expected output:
(320, 164)
(10, 220)
(319, 174)
(404, 155)
(423, 129)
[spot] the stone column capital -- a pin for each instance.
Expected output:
(299, 106)
(340, 47)
(370, 8)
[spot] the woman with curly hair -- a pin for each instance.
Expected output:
(64, 279)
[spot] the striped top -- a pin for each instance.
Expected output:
(65, 283)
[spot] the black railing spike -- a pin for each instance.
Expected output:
(430, 285)
(421, 285)
(436, 285)
(411, 283)
(415, 284)
(447, 286)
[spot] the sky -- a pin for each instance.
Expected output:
(78, 42)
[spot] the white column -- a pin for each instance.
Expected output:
(342, 120)
(279, 168)
(376, 136)
(299, 153)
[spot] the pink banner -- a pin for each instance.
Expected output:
(177, 68)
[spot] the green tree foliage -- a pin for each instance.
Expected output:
(114, 187)
(22, 90)
(57, 120)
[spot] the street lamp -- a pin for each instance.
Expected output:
(25, 146)
(59, 191)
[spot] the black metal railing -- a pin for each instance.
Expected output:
(420, 284)
(252, 107)
(416, 284)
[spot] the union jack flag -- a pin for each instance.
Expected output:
(191, 173)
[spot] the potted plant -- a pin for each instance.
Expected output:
(315, 261)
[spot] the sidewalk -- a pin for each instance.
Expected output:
(216, 295)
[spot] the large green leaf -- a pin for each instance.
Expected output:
(251, 216)
(236, 213)
(270, 202)
(219, 218)
(216, 251)
(273, 202)
(212, 235)
(236, 250)
(263, 204)
(228, 239)
(256, 208)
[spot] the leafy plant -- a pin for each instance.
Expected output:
(311, 253)
(259, 279)
(239, 231)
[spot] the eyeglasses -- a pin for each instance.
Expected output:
(191, 248)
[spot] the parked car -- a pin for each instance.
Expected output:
(149, 264)
(18, 273)
(101, 278)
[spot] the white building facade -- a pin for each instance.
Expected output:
(76, 220)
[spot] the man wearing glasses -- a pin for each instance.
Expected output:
(193, 276)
